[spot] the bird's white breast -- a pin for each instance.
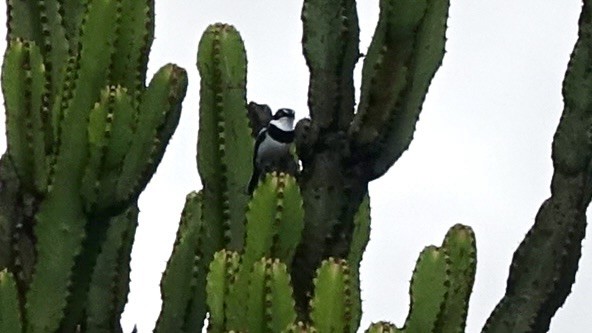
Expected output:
(271, 150)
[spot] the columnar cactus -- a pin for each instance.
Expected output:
(342, 150)
(544, 265)
(254, 261)
(84, 136)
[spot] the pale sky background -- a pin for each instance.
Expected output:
(481, 153)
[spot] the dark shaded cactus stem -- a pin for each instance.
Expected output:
(341, 149)
(544, 266)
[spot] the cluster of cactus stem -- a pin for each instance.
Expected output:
(85, 134)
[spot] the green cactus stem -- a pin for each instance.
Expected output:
(224, 138)
(461, 250)
(342, 151)
(360, 239)
(183, 284)
(544, 265)
(84, 136)
(441, 286)
(274, 220)
(270, 305)
(221, 273)
(274, 223)
(428, 290)
(109, 283)
(331, 303)
(10, 312)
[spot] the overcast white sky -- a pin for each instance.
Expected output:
(481, 154)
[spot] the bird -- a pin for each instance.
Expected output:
(272, 146)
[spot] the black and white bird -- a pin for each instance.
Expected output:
(272, 146)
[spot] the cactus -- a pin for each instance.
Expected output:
(341, 151)
(544, 266)
(440, 286)
(339, 159)
(84, 136)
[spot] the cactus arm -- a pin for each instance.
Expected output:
(274, 223)
(157, 118)
(109, 137)
(221, 273)
(406, 51)
(40, 21)
(331, 303)
(428, 290)
(330, 45)
(10, 316)
(282, 312)
(544, 266)
(184, 277)
(224, 137)
(270, 306)
(274, 220)
(459, 245)
(133, 43)
(23, 78)
(104, 306)
(289, 219)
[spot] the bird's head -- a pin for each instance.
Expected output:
(283, 119)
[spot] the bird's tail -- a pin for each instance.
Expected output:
(254, 181)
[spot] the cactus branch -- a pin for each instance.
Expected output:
(539, 284)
